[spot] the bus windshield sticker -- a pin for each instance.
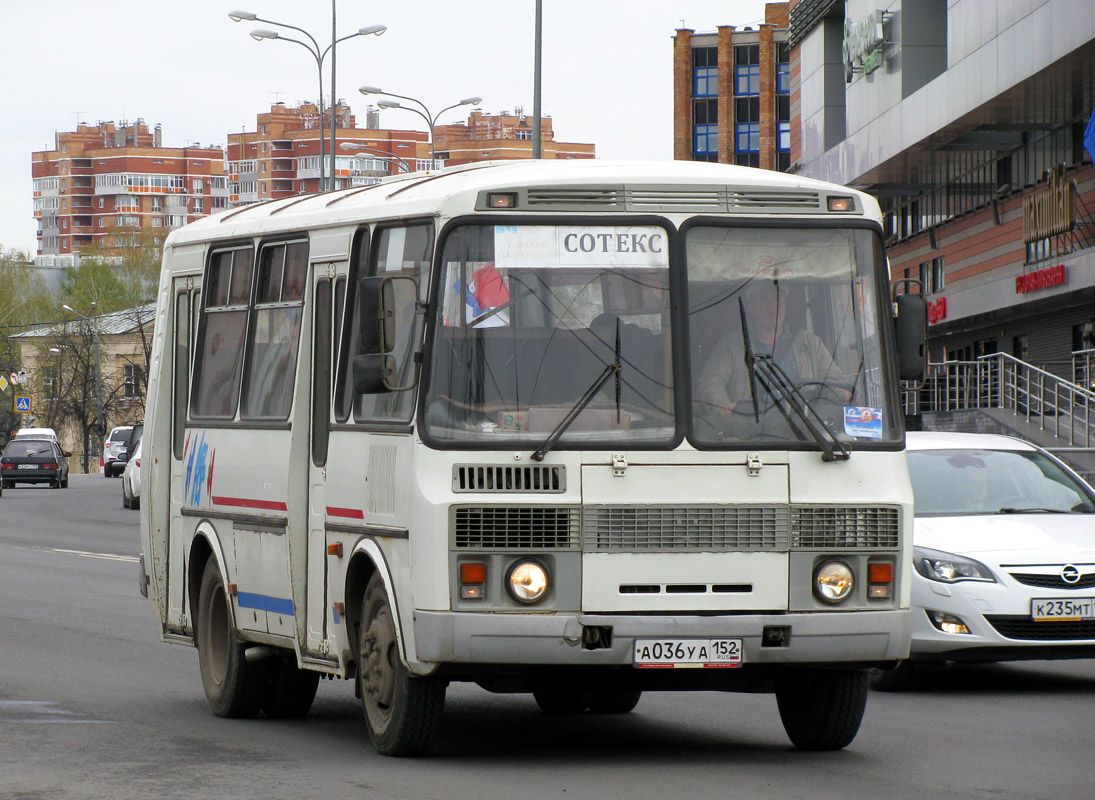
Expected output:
(863, 422)
(517, 246)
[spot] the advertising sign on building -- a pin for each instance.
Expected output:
(1041, 279)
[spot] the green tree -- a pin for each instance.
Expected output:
(25, 301)
(122, 273)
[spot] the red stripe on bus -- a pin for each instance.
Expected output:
(246, 502)
(349, 513)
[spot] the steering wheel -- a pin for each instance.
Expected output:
(828, 387)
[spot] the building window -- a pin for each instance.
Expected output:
(925, 277)
(705, 112)
(157, 205)
(783, 68)
(199, 186)
(705, 139)
(132, 381)
(747, 137)
(705, 71)
(102, 202)
(199, 206)
(523, 135)
(937, 274)
(747, 69)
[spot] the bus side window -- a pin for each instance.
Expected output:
(274, 332)
(223, 327)
(181, 371)
(406, 252)
(321, 373)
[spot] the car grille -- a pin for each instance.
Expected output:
(1087, 580)
(1023, 627)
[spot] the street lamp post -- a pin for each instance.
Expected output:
(403, 163)
(100, 419)
(431, 120)
(318, 54)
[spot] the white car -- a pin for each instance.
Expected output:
(131, 480)
(116, 450)
(1004, 554)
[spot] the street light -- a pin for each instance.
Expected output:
(403, 163)
(313, 48)
(100, 421)
(424, 112)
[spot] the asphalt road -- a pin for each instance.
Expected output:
(93, 705)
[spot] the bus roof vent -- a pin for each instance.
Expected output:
(509, 478)
(763, 199)
(568, 198)
(694, 199)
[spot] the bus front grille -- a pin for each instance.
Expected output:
(684, 528)
(509, 478)
(516, 528)
(844, 527)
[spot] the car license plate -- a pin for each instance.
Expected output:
(1077, 608)
(28, 466)
(695, 653)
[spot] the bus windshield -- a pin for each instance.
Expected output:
(785, 336)
(531, 318)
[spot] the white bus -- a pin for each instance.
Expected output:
(581, 429)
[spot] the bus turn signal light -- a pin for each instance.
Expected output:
(880, 579)
(473, 576)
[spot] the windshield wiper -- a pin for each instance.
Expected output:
(774, 380)
(610, 370)
(1033, 510)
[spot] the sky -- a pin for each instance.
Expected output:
(606, 74)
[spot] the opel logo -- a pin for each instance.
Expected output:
(1070, 573)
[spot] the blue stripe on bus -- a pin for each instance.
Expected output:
(261, 602)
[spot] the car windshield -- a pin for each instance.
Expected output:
(967, 481)
(785, 324)
(532, 317)
(28, 448)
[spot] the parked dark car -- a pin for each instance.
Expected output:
(27, 460)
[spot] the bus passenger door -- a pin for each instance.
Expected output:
(326, 291)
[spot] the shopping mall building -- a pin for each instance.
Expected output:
(966, 119)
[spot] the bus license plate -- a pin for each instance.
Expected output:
(1046, 610)
(695, 653)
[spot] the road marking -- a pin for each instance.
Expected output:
(43, 712)
(85, 554)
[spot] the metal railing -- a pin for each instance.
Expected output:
(1045, 400)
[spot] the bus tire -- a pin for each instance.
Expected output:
(233, 686)
(290, 691)
(821, 709)
(614, 701)
(903, 676)
(559, 701)
(402, 711)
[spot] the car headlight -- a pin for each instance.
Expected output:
(833, 581)
(527, 581)
(936, 565)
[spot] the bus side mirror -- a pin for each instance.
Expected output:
(376, 323)
(374, 373)
(911, 327)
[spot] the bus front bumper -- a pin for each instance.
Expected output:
(557, 639)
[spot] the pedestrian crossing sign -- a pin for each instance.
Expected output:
(23, 404)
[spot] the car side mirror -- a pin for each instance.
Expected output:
(66, 453)
(378, 297)
(911, 328)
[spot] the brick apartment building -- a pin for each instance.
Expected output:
(281, 157)
(106, 179)
(732, 93)
(487, 137)
(103, 180)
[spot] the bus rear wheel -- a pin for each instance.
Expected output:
(821, 709)
(233, 685)
(402, 711)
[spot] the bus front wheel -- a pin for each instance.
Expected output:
(402, 711)
(821, 709)
(233, 685)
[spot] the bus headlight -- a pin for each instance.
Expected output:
(833, 581)
(528, 581)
